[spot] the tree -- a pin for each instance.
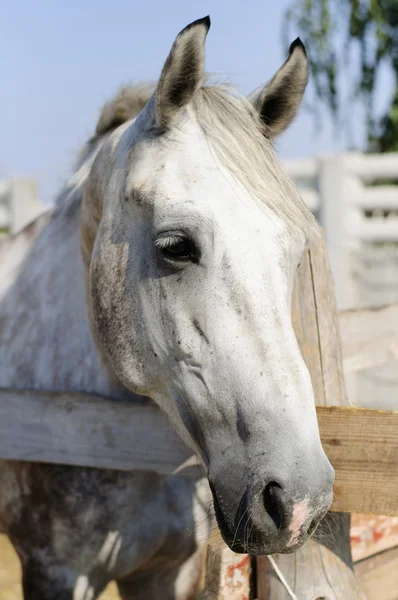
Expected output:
(350, 40)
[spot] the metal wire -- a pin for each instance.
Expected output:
(282, 579)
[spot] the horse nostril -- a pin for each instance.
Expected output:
(273, 504)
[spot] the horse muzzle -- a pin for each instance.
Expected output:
(275, 516)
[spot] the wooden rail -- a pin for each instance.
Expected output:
(90, 431)
(362, 444)
(87, 431)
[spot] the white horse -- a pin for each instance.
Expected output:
(165, 275)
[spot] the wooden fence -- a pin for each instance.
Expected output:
(355, 208)
(355, 197)
(92, 431)
(19, 204)
(362, 444)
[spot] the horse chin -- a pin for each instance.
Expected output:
(259, 548)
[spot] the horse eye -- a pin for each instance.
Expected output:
(175, 248)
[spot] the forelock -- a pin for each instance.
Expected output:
(239, 139)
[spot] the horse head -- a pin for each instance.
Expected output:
(195, 237)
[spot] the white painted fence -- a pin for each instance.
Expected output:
(19, 204)
(360, 220)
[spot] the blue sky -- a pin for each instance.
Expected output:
(59, 61)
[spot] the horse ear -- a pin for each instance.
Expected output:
(183, 71)
(279, 100)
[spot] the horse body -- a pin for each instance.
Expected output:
(147, 283)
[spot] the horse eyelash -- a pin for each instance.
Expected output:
(168, 241)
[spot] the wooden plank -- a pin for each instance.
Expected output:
(362, 445)
(369, 337)
(378, 575)
(328, 328)
(90, 431)
(316, 322)
(304, 318)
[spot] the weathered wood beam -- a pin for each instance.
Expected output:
(362, 446)
(87, 431)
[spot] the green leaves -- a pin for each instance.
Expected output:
(347, 41)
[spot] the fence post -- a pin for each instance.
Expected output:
(25, 205)
(323, 567)
(338, 217)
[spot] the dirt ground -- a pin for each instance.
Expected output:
(10, 575)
